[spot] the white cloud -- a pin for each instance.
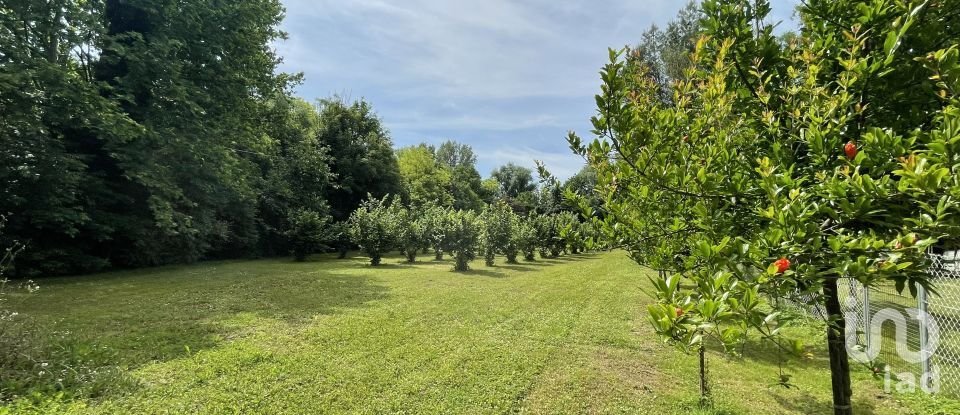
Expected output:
(508, 77)
(561, 165)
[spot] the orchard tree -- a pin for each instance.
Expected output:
(308, 231)
(374, 228)
(778, 169)
(499, 226)
(511, 248)
(463, 237)
(411, 231)
(439, 225)
(527, 237)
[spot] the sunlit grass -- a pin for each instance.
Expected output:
(565, 335)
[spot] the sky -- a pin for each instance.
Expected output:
(509, 78)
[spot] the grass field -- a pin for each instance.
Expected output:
(565, 335)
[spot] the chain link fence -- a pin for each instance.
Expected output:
(916, 339)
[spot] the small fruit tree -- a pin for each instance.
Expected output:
(438, 224)
(527, 238)
(463, 237)
(374, 228)
(499, 227)
(308, 231)
(411, 231)
(570, 231)
(779, 167)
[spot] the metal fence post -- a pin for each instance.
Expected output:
(866, 315)
(924, 348)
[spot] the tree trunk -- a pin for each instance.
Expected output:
(461, 264)
(836, 344)
(705, 401)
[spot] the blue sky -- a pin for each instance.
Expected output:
(510, 78)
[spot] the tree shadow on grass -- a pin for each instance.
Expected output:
(764, 351)
(518, 267)
(481, 272)
(164, 314)
(805, 403)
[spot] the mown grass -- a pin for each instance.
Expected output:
(565, 335)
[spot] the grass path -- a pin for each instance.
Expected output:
(566, 335)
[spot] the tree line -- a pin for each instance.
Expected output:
(137, 133)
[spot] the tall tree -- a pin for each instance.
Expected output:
(514, 180)
(454, 154)
(362, 154)
(465, 184)
(296, 175)
(425, 181)
(664, 53)
(133, 130)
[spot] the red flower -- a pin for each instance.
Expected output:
(679, 311)
(782, 264)
(850, 149)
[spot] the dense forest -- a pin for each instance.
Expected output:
(135, 133)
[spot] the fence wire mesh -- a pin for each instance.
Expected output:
(935, 334)
(944, 309)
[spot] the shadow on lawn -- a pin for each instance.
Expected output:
(168, 313)
(765, 352)
(805, 403)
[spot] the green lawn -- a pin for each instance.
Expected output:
(566, 335)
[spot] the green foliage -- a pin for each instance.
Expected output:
(413, 231)
(425, 181)
(374, 228)
(528, 237)
(664, 53)
(465, 184)
(462, 238)
(116, 149)
(747, 164)
(499, 233)
(583, 185)
(571, 231)
(438, 224)
(361, 153)
(296, 174)
(309, 231)
(514, 180)
(118, 152)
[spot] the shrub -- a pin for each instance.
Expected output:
(373, 227)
